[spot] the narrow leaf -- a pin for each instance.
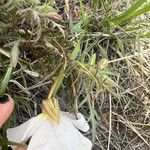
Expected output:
(14, 54)
(117, 20)
(93, 59)
(75, 52)
(4, 83)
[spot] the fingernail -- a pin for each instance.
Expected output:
(4, 99)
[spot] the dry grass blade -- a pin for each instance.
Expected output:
(129, 125)
(110, 122)
(93, 55)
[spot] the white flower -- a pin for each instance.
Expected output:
(47, 134)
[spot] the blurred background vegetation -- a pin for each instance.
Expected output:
(100, 51)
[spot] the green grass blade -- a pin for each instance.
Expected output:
(138, 12)
(5, 81)
(59, 81)
(119, 19)
(13, 63)
(95, 3)
(81, 8)
(102, 51)
(145, 35)
(92, 117)
(93, 59)
(6, 142)
(75, 52)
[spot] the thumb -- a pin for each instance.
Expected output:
(6, 108)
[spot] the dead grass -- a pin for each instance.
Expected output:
(106, 67)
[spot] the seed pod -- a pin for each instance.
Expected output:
(103, 63)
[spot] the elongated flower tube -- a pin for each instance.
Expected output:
(51, 108)
(46, 134)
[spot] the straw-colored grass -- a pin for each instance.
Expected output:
(99, 51)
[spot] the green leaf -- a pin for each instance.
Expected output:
(121, 46)
(83, 16)
(75, 52)
(6, 142)
(45, 9)
(59, 81)
(76, 28)
(35, 2)
(135, 14)
(121, 18)
(145, 35)
(13, 63)
(60, 27)
(93, 59)
(4, 83)
(139, 12)
(102, 51)
(92, 117)
(95, 3)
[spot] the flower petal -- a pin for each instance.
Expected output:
(45, 137)
(62, 136)
(24, 131)
(80, 123)
(48, 135)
